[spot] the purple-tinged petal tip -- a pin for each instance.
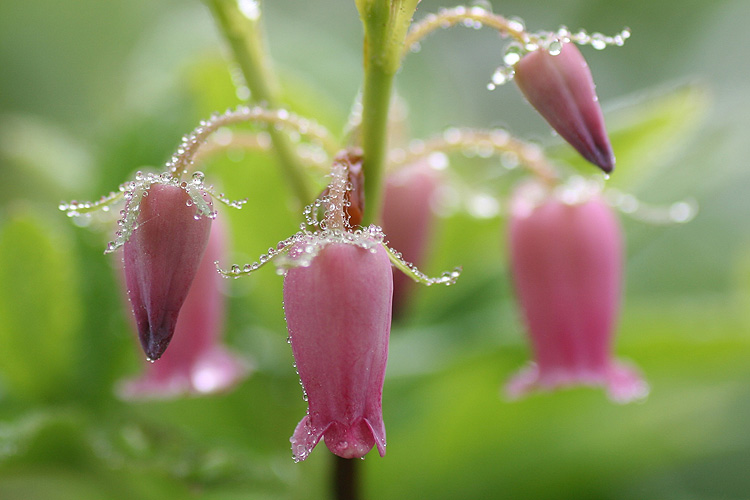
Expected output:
(160, 260)
(560, 87)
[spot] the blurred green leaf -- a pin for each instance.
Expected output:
(645, 131)
(39, 306)
(42, 159)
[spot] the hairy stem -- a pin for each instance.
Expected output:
(243, 33)
(450, 17)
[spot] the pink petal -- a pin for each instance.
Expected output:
(161, 259)
(567, 268)
(338, 312)
(407, 220)
(562, 90)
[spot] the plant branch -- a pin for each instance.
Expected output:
(386, 23)
(243, 33)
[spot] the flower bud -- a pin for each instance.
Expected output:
(338, 312)
(562, 90)
(407, 220)
(196, 362)
(161, 258)
(567, 266)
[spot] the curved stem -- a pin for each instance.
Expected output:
(242, 32)
(193, 142)
(485, 143)
(447, 18)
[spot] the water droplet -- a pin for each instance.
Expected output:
(513, 54)
(502, 75)
(598, 41)
(554, 48)
(516, 24)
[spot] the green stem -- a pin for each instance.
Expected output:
(386, 23)
(246, 41)
(376, 99)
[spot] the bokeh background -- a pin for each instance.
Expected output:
(91, 91)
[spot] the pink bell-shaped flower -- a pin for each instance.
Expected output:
(407, 218)
(562, 90)
(566, 259)
(338, 291)
(161, 258)
(338, 311)
(195, 363)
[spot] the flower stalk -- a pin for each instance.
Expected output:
(386, 23)
(242, 30)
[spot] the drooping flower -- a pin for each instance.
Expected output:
(566, 259)
(196, 363)
(161, 257)
(560, 87)
(338, 287)
(407, 219)
(338, 312)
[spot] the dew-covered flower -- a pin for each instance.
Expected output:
(196, 363)
(338, 287)
(407, 218)
(562, 90)
(566, 260)
(338, 312)
(165, 244)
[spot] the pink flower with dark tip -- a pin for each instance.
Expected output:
(161, 258)
(566, 260)
(196, 363)
(338, 312)
(562, 90)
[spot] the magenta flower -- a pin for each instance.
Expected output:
(561, 88)
(338, 291)
(161, 258)
(566, 261)
(196, 362)
(407, 219)
(338, 311)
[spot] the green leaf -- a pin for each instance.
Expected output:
(39, 306)
(646, 132)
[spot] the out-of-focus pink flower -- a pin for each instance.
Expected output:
(407, 220)
(567, 266)
(561, 88)
(195, 363)
(338, 312)
(161, 259)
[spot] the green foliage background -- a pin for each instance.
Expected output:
(90, 91)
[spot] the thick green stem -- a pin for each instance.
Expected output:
(243, 33)
(386, 23)
(376, 99)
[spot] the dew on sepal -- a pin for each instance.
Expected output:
(446, 278)
(133, 192)
(552, 42)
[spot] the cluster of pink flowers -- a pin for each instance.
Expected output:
(340, 291)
